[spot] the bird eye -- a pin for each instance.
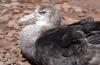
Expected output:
(42, 12)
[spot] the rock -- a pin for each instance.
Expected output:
(10, 34)
(11, 24)
(4, 59)
(2, 36)
(66, 7)
(26, 12)
(14, 0)
(81, 15)
(0, 32)
(5, 11)
(4, 19)
(67, 20)
(8, 56)
(77, 9)
(1, 63)
(46, 1)
(16, 11)
(29, 6)
(20, 63)
(98, 10)
(11, 61)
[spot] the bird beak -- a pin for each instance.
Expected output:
(26, 20)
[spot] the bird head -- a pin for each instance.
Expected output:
(43, 15)
(47, 15)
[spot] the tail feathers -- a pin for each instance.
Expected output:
(87, 25)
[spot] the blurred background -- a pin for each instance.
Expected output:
(12, 10)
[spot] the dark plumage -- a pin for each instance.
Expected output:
(61, 48)
(51, 44)
(87, 25)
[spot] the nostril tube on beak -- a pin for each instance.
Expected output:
(26, 20)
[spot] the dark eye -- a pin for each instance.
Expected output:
(42, 12)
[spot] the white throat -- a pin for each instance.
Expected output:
(42, 23)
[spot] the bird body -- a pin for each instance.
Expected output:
(46, 42)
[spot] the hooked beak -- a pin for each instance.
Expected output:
(26, 20)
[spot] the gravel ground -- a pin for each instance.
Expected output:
(11, 11)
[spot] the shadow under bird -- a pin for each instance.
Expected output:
(45, 42)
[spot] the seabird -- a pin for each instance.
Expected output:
(45, 42)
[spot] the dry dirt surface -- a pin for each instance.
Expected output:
(12, 10)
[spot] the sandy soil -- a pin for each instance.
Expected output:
(71, 10)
